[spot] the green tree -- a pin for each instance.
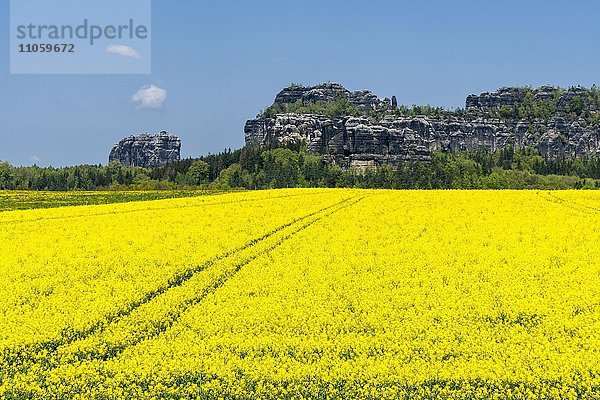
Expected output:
(5, 175)
(198, 172)
(234, 177)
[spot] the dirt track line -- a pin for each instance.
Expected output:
(570, 204)
(174, 314)
(28, 355)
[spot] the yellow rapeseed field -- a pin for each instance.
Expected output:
(305, 294)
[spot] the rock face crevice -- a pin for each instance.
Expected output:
(147, 150)
(365, 141)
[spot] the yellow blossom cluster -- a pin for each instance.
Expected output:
(305, 294)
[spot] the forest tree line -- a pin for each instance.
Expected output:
(256, 168)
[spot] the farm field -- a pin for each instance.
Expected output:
(305, 293)
(25, 200)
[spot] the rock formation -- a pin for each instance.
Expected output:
(146, 150)
(363, 100)
(381, 134)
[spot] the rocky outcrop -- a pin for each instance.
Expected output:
(363, 100)
(565, 100)
(506, 96)
(146, 150)
(363, 141)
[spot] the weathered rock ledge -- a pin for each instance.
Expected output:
(147, 150)
(367, 140)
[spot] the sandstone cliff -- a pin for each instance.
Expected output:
(146, 150)
(559, 123)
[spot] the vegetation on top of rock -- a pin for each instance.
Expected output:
(543, 103)
(295, 85)
(417, 111)
(521, 102)
(335, 108)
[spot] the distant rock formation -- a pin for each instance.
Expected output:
(490, 121)
(363, 100)
(146, 150)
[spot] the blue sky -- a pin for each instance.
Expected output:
(221, 62)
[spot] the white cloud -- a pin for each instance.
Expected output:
(34, 159)
(150, 97)
(123, 50)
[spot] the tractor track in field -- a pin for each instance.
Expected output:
(19, 360)
(573, 205)
(99, 214)
(212, 288)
